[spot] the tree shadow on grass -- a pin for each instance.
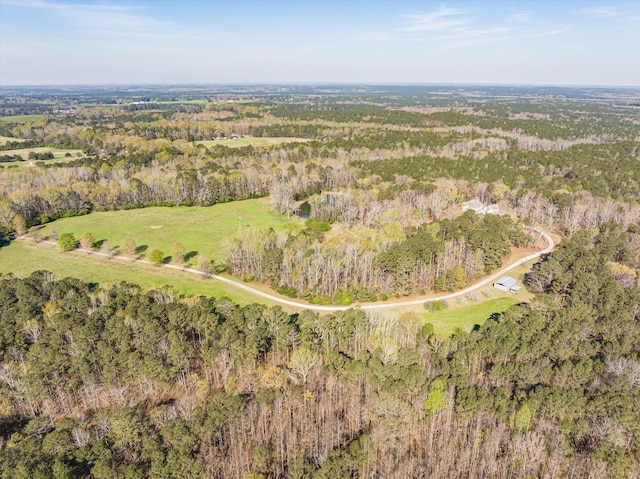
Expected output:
(190, 255)
(141, 249)
(98, 244)
(166, 260)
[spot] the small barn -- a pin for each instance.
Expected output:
(475, 205)
(480, 208)
(493, 209)
(507, 283)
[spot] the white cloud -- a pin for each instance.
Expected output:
(462, 28)
(601, 12)
(470, 33)
(442, 19)
(522, 17)
(98, 19)
(453, 24)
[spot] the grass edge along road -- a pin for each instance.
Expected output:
(22, 258)
(372, 306)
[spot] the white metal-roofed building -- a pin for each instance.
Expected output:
(480, 208)
(507, 283)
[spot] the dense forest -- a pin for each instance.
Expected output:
(117, 381)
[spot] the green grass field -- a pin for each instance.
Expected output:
(22, 258)
(445, 322)
(5, 139)
(466, 313)
(59, 155)
(203, 230)
(20, 118)
(240, 142)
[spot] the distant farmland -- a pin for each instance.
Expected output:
(59, 154)
(6, 139)
(20, 118)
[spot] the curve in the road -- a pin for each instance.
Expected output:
(316, 307)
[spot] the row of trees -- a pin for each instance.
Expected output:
(129, 248)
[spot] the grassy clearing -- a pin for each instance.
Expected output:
(22, 258)
(200, 230)
(465, 313)
(258, 142)
(6, 139)
(20, 118)
(59, 155)
(446, 322)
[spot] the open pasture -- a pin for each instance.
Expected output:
(59, 155)
(200, 230)
(474, 309)
(20, 118)
(6, 139)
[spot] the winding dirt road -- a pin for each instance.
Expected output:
(365, 306)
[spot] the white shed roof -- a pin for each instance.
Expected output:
(507, 282)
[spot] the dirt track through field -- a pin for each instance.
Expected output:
(366, 306)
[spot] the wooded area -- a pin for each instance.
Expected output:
(110, 380)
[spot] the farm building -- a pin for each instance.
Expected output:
(480, 208)
(507, 283)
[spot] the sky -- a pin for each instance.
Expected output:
(84, 42)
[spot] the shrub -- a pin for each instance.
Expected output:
(129, 247)
(156, 257)
(67, 242)
(87, 240)
(289, 291)
(178, 251)
(436, 305)
(342, 298)
(204, 264)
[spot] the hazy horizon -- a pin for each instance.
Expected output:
(466, 43)
(317, 84)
